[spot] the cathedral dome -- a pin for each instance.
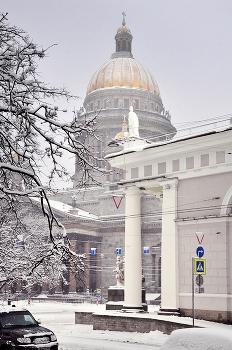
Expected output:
(123, 72)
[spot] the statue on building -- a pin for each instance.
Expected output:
(119, 272)
(168, 115)
(74, 201)
(133, 122)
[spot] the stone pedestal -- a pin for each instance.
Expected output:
(116, 299)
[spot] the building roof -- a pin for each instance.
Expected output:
(122, 70)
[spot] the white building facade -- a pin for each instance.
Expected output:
(193, 176)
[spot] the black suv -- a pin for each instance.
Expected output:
(19, 331)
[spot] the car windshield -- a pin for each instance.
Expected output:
(16, 319)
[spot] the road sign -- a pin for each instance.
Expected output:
(199, 280)
(118, 251)
(200, 237)
(146, 250)
(200, 251)
(199, 266)
(93, 251)
(199, 290)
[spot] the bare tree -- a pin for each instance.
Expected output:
(30, 135)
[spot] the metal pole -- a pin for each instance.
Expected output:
(102, 256)
(193, 315)
(101, 286)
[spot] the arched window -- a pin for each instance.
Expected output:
(119, 46)
(227, 203)
(124, 45)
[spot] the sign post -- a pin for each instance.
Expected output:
(199, 269)
(193, 311)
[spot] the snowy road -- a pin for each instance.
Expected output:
(77, 342)
(60, 318)
(71, 336)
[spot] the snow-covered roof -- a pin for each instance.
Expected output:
(70, 210)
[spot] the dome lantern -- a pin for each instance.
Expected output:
(123, 40)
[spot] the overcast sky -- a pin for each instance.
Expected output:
(186, 44)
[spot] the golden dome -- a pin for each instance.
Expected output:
(123, 29)
(123, 72)
(124, 133)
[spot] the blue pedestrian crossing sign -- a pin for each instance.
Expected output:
(199, 266)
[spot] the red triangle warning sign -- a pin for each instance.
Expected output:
(117, 200)
(200, 237)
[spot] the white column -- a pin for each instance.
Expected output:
(133, 261)
(169, 248)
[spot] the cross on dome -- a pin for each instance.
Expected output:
(123, 19)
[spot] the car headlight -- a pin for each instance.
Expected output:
(53, 337)
(24, 340)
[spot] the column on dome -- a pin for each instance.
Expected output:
(169, 248)
(133, 261)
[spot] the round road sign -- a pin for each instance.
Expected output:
(199, 280)
(200, 251)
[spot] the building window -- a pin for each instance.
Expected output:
(162, 168)
(147, 170)
(107, 104)
(126, 103)
(204, 160)
(91, 106)
(190, 163)
(220, 157)
(116, 103)
(145, 106)
(135, 104)
(134, 173)
(97, 105)
(120, 103)
(175, 165)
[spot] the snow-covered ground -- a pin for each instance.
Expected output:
(60, 318)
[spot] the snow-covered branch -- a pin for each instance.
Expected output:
(31, 135)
